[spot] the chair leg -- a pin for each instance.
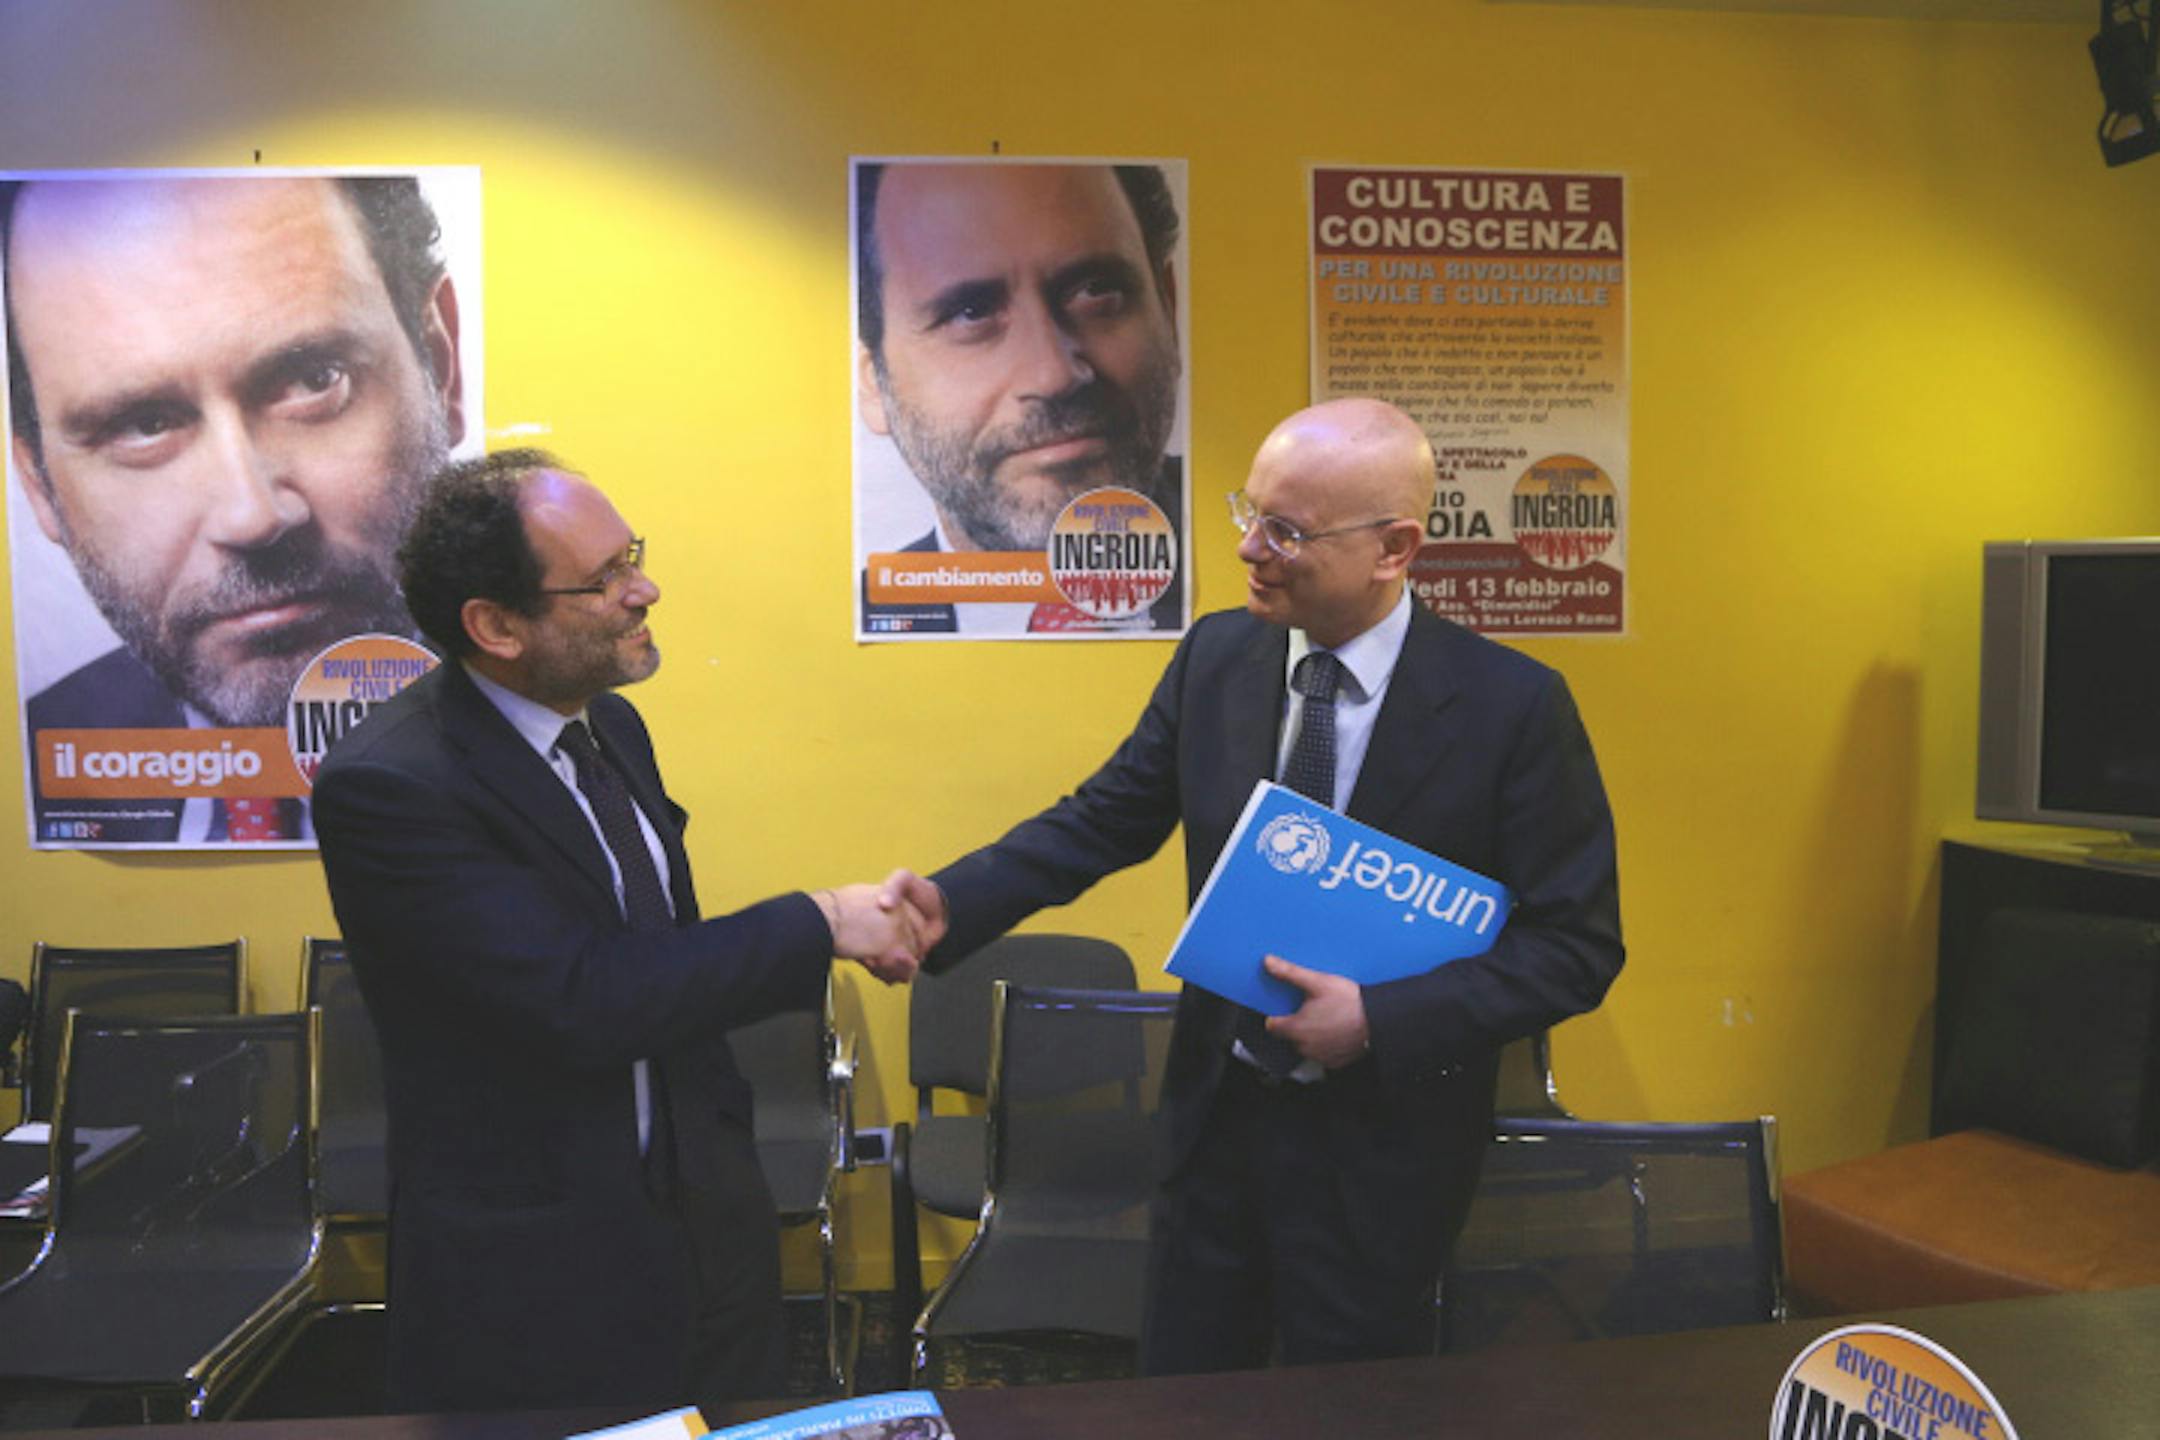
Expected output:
(918, 1357)
(835, 1376)
(907, 1249)
(851, 1348)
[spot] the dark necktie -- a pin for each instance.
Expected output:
(645, 905)
(1311, 768)
(1310, 771)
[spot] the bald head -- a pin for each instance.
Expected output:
(1369, 456)
(1354, 477)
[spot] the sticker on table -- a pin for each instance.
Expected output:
(1877, 1382)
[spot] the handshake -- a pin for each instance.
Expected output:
(888, 928)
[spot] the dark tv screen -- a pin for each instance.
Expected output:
(2100, 711)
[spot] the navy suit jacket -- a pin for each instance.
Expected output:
(1477, 755)
(529, 1263)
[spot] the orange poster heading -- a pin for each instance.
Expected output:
(166, 764)
(934, 577)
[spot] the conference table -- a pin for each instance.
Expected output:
(2063, 1367)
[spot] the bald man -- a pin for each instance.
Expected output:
(1317, 1167)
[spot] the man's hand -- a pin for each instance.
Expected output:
(1329, 1028)
(904, 886)
(888, 942)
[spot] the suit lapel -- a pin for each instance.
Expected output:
(1413, 733)
(1253, 699)
(498, 758)
(644, 783)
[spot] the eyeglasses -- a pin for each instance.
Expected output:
(1282, 537)
(614, 580)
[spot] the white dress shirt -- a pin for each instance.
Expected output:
(1368, 662)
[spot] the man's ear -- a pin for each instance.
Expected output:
(1399, 545)
(494, 627)
(37, 489)
(439, 341)
(868, 397)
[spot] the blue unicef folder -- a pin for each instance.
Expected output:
(1298, 880)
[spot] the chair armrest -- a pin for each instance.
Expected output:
(841, 1074)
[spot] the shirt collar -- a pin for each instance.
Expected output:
(541, 725)
(1370, 657)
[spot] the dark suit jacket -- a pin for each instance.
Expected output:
(529, 1264)
(114, 691)
(1477, 755)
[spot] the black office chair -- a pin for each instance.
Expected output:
(352, 1191)
(1584, 1229)
(940, 1160)
(181, 1240)
(153, 982)
(1075, 1080)
(803, 1077)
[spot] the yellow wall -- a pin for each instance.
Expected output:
(1887, 303)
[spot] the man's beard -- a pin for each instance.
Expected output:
(576, 665)
(961, 471)
(359, 588)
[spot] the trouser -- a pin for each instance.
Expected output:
(738, 1338)
(1265, 1243)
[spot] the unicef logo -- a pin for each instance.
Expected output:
(1294, 844)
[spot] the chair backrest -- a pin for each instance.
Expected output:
(949, 1013)
(799, 1113)
(1588, 1229)
(1072, 1099)
(186, 1140)
(787, 1059)
(1075, 1084)
(1526, 1085)
(132, 983)
(353, 1134)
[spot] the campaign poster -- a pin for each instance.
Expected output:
(1020, 381)
(1492, 306)
(225, 390)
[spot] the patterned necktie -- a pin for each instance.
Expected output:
(1311, 767)
(645, 903)
(1310, 771)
